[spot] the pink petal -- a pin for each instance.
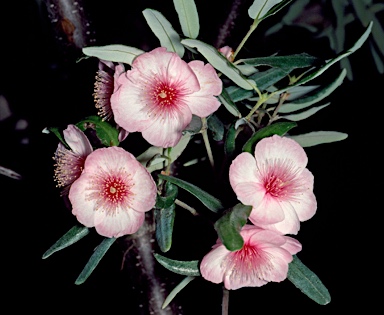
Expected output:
(211, 265)
(166, 131)
(203, 102)
(269, 210)
(243, 170)
(77, 141)
(283, 148)
(123, 222)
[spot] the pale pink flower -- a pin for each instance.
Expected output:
(104, 87)
(276, 183)
(113, 192)
(70, 162)
(263, 258)
(158, 96)
(227, 52)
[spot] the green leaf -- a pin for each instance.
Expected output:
(164, 219)
(331, 62)
(226, 100)
(92, 263)
(304, 114)
(274, 129)
(208, 200)
(216, 126)
(318, 137)
(171, 192)
(264, 79)
(58, 134)
(75, 234)
(238, 94)
(228, 227)
(259, 8)
(315, 97)
(230, 142)
(276, 8)
(308, 282)
(286, 63)
(219, 62)
(164, 31)
(115, 53)
(186, 268)
(176, 290)
(188, 17)
(107, 134)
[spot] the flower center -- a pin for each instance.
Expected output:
(114, 190)
(274, 186)
(165, 95)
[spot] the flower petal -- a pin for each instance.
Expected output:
(203, 102)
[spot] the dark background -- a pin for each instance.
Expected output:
(45, 86)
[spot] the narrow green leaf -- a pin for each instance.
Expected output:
(265, 79)
(315, 97)
(57, 133)
(286, 63)
(331, 62)
(238, 94)
(186, 268)
(212, 203)
(305, 114)
(259, 8)
(188, 17)
(308, 282)
(229, 225)
(226, 100)
(216, 126)
(164, 220)
(170, 195)
(275, 129)
(230, 142)
(276, 8)
(115, 53)
(176, 290)
(75, 234)
(318, 137)
(164, 31)
(108, 135)
(219, 62)
(95, 259)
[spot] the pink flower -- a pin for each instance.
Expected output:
(264, 258)
(158, 96)
(276, 183)
(105, 85)
(227, 52)
(70, 162)
(113, 192)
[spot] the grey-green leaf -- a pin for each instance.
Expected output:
(188, 17)
(92, 263)
(308, 282)
(75, 234)
(318, 137)
(164, 31)
(216, 126)
(219, 62)
(260, 7)
(115, 53)
(229, 225)
(212, 203)
(331, 62)
(305, 114)
(186, 268)
(315, 97)
(164, 219)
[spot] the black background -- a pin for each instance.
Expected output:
(46, 87)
